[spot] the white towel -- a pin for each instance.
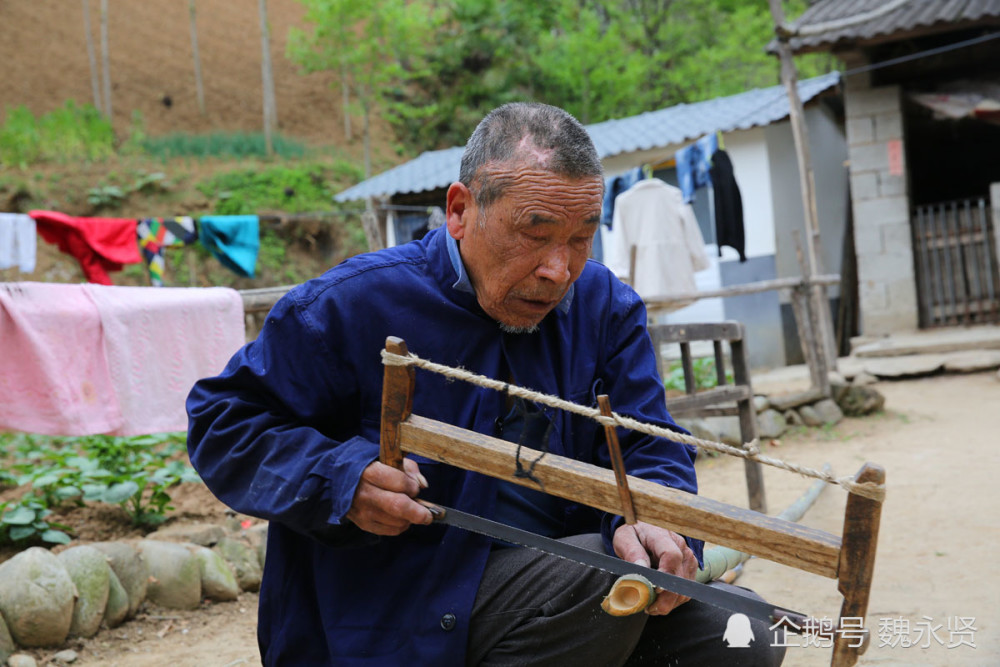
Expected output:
(18, 242)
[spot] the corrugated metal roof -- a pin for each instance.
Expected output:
(653, 129)
(831, 21)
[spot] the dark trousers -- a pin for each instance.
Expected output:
(537, 609)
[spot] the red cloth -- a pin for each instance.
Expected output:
(99, 244)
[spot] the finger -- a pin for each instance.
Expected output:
(628, 547)
(411, 468)
(372, 505)
(388, 478)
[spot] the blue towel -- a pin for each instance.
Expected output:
(233, 239)
(693, 163)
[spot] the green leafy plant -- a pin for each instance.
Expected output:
(105, 196)
(704, 374)
(135, 473)
(219, 144)
(25, 520)
(66, 134)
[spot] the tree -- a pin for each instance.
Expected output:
(267, 78)
(106, 61)
(377, 46)
(95, 85)
(199, 89)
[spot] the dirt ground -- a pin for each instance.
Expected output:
(937, 440)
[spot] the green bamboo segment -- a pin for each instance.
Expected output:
(717, 560)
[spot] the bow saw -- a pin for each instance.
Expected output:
(848, 558)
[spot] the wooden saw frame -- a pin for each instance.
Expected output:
(849, 558)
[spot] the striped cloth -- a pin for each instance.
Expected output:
(155, 234)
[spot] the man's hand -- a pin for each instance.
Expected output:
(662, 549)
(383, 502)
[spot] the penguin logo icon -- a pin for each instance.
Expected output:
(739, 634)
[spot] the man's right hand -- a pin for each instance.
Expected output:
(383, 502)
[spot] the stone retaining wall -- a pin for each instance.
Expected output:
(46, 598)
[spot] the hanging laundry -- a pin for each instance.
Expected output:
(18, 242)
(653, 217)
(614, 186)
(729, 228)
(155, 234)
(233, 239)
(89, 359)
(694, 163)
(100, 245)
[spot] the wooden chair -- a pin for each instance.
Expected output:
(849, 558)
(708, 403)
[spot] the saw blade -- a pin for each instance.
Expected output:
(734, 602)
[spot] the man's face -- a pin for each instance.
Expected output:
(524, 250)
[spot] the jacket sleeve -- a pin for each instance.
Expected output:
(277, 434)
(634, 388)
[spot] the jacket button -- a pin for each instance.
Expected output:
(448, 622)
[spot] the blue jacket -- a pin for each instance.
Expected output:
(285, 431)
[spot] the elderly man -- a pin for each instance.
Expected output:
(356, 572)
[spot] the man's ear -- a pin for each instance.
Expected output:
(460, 205)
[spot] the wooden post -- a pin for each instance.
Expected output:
(199, 88)
(95, 85)
(789, 76)
(267, 78)
(857, 563)
(819, 371)
(397, 403)
(748, 423)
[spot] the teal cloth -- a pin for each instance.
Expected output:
(233, 239)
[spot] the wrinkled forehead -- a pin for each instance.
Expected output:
(521, 182)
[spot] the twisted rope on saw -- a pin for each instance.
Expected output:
(749, 450)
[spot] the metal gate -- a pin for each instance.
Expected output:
(955, 254)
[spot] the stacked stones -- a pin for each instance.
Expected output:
(45, 598)
(776, 414)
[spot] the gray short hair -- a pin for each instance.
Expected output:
(498, 135)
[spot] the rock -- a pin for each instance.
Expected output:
(257, 535)
(792, 418)
(761, 403)
(862, 379)
(809, 416)
(65, 657)
(36, 598)
(859, 401)
(205, 534)
(728, 429)
(912, 365)
(7, 645)
(21, 660)
(117, 610)
(828, 411)
(771, 424)
(131, 569)
(972, 361)
(836, 378)
(244, 562)
(217, 579)
(91, 574)
(699, 428)
(784, 402)
(175, 581)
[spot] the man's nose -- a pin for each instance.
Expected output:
(555, 265)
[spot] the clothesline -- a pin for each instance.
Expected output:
(104, 245)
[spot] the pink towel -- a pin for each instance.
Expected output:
(54, 377)
(150, 347)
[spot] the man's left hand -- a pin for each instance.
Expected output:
(662, 549)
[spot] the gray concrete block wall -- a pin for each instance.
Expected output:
(881, 204)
